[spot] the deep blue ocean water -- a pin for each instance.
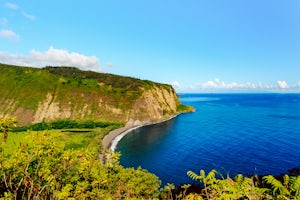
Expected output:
(232, 133)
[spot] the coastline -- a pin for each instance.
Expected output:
(110, 141)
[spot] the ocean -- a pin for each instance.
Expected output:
(231, 133)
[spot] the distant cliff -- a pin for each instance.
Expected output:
(33, 95)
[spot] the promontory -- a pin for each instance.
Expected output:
(34, 95)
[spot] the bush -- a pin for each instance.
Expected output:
(46, 171)
(65, 124)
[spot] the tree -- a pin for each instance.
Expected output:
(5, 125)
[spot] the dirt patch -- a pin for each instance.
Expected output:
(24, 116)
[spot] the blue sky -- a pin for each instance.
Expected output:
(196, 45)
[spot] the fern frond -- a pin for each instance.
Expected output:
(295, 185)
(202, 173)
(247, 184)
(193, 175)
(276, 185)
(211, 177)
(286, 180)
(260, 191)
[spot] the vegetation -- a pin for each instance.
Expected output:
(5, 125)
(45, 170)
(245, 187)
(67, 84)
(184, 108)
(114, 81)
(52, 93)
(65, 124)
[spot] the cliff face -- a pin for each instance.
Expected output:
(155, 104)
(35, 95)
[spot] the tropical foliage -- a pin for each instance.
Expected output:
(245, 187)
(46, 171)
(289, 189)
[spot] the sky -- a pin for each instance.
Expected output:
(195, 45)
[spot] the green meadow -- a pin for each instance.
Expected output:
(66, 138)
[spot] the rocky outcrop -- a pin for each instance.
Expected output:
(153, 105)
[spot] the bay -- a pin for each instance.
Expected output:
(232, 133)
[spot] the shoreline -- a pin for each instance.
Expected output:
(111, 140)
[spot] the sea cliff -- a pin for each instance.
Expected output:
(33, 95)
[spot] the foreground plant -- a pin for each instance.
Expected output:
(244, 187)
(45, 170)
(289, 189)
(5, 125)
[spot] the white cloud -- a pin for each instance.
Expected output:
(10, 35)
(3, 21)
(12, 6)
(209, 84)
(217, 84)
(282, 84)
(176, 84)
(52, 57)
(28, 16)
(16, 7)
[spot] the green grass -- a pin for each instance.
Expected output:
(20, 83)
(26, 93)
(67, 138)
(183, 108)
(25, 88)
(65, 124)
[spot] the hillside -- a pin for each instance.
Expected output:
(33, 95)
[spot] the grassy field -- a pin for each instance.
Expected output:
(67, 138)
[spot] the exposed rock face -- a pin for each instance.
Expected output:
(155, 104)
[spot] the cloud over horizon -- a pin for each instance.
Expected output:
(52, 57)
(218, 85)
(176, 85)
(283, 84)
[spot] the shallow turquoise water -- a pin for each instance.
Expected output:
(232, 133)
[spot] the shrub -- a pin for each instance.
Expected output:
(64, 124)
